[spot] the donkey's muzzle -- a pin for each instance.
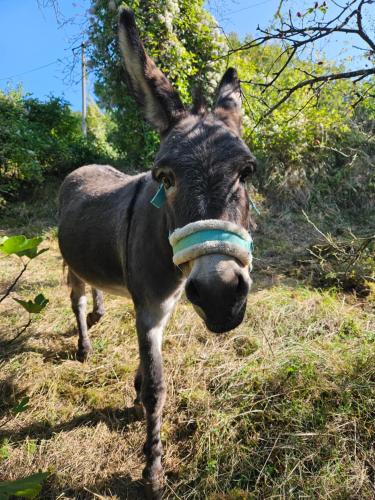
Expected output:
(220, 302)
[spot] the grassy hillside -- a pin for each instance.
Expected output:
(282, 407)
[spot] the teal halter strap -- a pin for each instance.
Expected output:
(211, 235)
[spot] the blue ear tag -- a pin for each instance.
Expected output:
(160, 197)
(252, 205)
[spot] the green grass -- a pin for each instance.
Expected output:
(282, 407)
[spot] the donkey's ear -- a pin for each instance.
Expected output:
(159, 101)
(228, 101)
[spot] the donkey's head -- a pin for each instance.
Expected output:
(202, 166)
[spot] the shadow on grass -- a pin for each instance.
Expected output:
(10, 348)
(117, 485)
(10, 396)
(116, 419)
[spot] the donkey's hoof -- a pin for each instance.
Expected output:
(93, 318)
(154, 482)
(139, 411)
(82, 355)
(153, 489)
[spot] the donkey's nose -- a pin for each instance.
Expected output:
(217, 287)
(192, 291)
(205, 292)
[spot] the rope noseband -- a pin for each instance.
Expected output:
(208, 236)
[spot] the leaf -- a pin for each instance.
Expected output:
(21, 406)
(27, 487)
(4, 450)
(34, 307)
(20, 245)
(31, 253)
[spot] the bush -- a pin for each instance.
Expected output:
(40, 138)
(314, 148)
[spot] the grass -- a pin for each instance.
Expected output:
(282, 407)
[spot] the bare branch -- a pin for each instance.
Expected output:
(295, 39)
(361, 31)
(14, 283)
(312, 81)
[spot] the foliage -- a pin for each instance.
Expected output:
(40, 138)
(345, 263)
(27, 487)
(34, 306)
(184, 41)
(23, 247)
(314, 145)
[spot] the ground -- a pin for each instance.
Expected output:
(282, 407)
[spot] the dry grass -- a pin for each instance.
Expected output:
(283, 407)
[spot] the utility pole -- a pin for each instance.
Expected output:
(84, 126)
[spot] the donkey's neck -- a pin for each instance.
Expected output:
(148, 252)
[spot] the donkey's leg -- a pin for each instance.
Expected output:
(78, 300)
(150, 325)
(138, 406)
(98, 307)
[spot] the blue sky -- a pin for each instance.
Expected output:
(30, 39)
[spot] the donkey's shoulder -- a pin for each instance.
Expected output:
(93, 180)
(94, 172)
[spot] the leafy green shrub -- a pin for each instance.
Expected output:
(41, 138)
(314, 147)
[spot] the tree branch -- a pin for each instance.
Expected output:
(312, 81)
(361, 31)
(294, 39)
(10, 288)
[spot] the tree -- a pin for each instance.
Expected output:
(296, 31)
(182, 38)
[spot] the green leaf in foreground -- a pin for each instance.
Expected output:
(27, 487)
(22, 405)
(20, 245)
(34, 307)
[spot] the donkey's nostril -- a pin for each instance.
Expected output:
(192, 292)
(242, 286)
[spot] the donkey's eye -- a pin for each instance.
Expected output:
(244, 174)
(166, 180)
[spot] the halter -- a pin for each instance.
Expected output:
(210, 236)
(206, 237)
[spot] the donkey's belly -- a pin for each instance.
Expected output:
(113, 289)
(98, 268)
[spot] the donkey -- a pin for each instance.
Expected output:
(194, 235)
